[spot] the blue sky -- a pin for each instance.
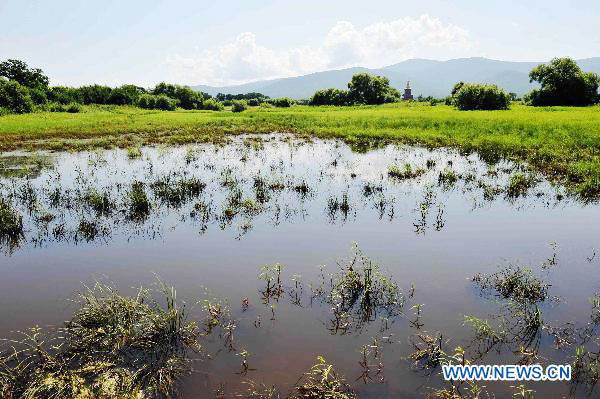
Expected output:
(196, 42)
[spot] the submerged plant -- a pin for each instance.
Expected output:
(515, 283)
(406, 173)
(114, 347)
(322, 382)
(11, 223)
(139, 205)
(519, 184)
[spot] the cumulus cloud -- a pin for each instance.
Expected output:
(244, 60)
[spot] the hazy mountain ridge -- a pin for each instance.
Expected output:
(427, 77)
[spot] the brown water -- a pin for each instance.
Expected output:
(323, 197)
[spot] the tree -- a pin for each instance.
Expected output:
(368, 89)
(15, 97)
(563, 83)
(330, 97)
(125, 95)
(95, 94)
(19, 71)
(472, 96)
(186, 97)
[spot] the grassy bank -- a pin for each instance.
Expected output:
(563, 143)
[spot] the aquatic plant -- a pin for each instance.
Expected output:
(114, 346)
(101, 203)
(361, 291)
(138, 203)
(11, 223)
(134, 152)
(515, 283)
(406, 173)
(322, 382)
(447, 178)
(519, 184)
(174, 191)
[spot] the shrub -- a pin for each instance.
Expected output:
(63, 95)
(239, 105)
(212, 105)
(253, 102)
(563, 83)
(265, 105)
(95, 94)
(471, 96)
(38, 95)
(283, 102)
(125, 95)
(150, 101)
(330, 97)
(73, 108)
(368, 89)
(186, 97)
(15, 97)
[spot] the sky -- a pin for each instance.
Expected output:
(229, 42)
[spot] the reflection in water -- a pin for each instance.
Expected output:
(206, 217)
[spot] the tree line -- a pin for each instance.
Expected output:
(562, 82)
(24, 89)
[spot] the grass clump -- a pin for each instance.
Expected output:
(515, 283)
(322, 382)
(101, 203)
(519, 184)
(11, 223)
(360, 291)
(406, 173)
(115, 346)
(447, 178)
(139, 205)
(176, 191)
(134, 152)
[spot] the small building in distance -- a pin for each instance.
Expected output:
(407, 92)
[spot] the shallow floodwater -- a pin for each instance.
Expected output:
(301, 204)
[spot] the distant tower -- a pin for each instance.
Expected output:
(407, 92)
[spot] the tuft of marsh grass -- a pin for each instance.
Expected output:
(320, 382)
(115, 346)
(138, 203)
(175, 191)
(515, 283)
(519, 184)
(405, 173)
(11, 223)
(134, 152)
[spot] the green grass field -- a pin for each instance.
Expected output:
(561, 142)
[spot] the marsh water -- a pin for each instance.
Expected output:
(302, 204)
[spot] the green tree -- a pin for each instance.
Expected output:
(125, 95)
(19, 71)
(477, 97)
(185, 96)
(563, 83)
(95, 94)
(368, 89)
(330, 97)
(15, 97)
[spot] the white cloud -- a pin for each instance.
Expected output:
(376, 45)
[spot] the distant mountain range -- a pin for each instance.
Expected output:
(427, 77)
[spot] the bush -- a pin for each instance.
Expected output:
(15, 97)
(563, 83)
(38, 96)
(239, 105)
(186, 97)
(253, 102)
(471, 96)
(95, 94)
(368, 89)
(212, 105)
(283, 102)
(162, 102)
(63, 95)
(265, 105)
(125, 95)
(73, 108)
(330, 97)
